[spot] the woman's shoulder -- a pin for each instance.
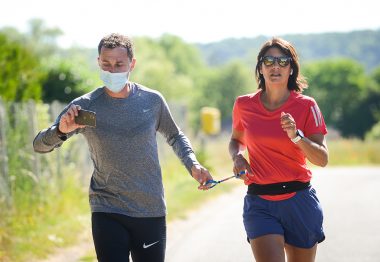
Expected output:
(248, 97)
(303, 99)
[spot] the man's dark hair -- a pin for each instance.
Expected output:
(117, 40)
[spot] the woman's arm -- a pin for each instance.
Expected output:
(315, 149)
(237, 148)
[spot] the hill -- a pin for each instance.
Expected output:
(362, 46)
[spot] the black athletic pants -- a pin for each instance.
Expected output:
(116, 236)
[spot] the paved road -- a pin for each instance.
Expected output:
(351, 202)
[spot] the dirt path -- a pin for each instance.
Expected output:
(351, 202)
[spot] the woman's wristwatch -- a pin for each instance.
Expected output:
(299, 136)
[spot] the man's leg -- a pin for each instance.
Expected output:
(148, 239)
(111, 239)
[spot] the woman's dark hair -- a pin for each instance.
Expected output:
(117, 40)
(296, 81)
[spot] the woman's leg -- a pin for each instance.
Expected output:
(268, 248)
(295, 254)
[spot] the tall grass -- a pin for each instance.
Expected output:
(349, 152)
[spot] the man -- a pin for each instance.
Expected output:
(126, 191)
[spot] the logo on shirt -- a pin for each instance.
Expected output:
(146, 110)
(317, 115)
(149, 245)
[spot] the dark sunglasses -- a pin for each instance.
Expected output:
(270, 60)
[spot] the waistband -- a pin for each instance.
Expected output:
(277, 188)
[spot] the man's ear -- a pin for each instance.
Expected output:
(133, 63)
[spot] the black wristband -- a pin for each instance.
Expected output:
(61, 135)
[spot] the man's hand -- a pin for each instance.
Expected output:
(202, 175)
(67, 123)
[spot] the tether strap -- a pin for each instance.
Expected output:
(277, 188)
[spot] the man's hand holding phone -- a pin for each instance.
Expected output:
(69, 120)
(86, 118)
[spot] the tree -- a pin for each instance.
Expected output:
(186, 58)
(224, 85)
(63, 83)
(341, 88)
(20, 76)
(156, 69)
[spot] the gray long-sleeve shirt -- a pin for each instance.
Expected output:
(123, 147)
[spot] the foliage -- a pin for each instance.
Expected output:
(44, 204)
(66, 81)
(155, 70)
(36, 68)
(221, 87)
(374, 133)
(361, 46)
(340, 88)
(20, 76)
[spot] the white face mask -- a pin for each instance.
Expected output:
(115, 82)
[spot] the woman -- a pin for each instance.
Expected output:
(280, 128)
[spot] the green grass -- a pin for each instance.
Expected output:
(37, 228)
(353, 152)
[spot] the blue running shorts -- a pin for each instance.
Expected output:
(299, 219)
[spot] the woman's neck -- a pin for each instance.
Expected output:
(274, 98)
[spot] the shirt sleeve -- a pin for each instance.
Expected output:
(175, 137)
(315, 123)
(236, 119)
(48, 139)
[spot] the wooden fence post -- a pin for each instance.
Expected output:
(32, 122)
(5, 189)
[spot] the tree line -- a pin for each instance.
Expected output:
(35, 67)
(361, 45)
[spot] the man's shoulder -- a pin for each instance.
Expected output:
(149, 92)
(89, 97)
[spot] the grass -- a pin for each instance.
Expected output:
(353, 152)
(36, 229)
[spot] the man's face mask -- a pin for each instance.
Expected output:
(115, 82)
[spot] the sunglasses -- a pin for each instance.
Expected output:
(281, 60)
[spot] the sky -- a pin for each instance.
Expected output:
(85, 22)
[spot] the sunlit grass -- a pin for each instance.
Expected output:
(35, 230)
(354, 152)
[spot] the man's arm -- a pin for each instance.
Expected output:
(49, 139)
(181, 146)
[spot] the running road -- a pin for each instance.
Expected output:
(351, 203)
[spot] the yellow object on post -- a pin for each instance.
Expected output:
(210, 120)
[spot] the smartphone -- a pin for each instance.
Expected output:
(86, 117)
